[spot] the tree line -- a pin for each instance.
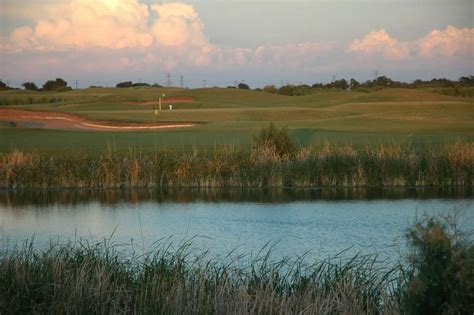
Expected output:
(58, 85)
(379, 82)
(450, 87)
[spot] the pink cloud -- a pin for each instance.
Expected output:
(124, 35)
(382, 44)
(449, 42)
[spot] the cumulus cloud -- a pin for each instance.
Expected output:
(83, 24)
(128, 35)
(382, 44)
(449, 42)
(178, 25)
(438, 43)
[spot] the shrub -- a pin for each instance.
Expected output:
(243, 86)
(276, 139)
(442, 276)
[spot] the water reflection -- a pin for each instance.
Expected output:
(319, 222)
(19, 199)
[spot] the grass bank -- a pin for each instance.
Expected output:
(101, 278)
(330, 166)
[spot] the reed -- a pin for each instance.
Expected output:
(100, 278)
(327, 166)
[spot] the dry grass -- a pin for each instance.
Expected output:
(329, 166)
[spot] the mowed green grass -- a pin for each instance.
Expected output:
(232, 117)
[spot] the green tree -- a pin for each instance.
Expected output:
(353, 83)
(243, 86)
(286, 90)
(30, 86)
(3, 86)
(270, 89)
(125, 84)
(55, 85)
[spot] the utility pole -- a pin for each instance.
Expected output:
(168, 79)
(181, 81)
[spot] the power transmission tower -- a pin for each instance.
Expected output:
(235, 83)
(181, 81)
(168, 79)
(376, 74)
(333, 77)
(204, 83)
(76, 84)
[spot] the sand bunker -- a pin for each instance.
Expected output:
(53, 120)
(169, 100)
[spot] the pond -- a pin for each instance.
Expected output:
(315, 223)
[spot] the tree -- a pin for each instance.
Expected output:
(3, 86)
(341, 84)
(30, 86)
(125, 84)
(466, 80)
(56, 85)
(317, 86)
(353, 83)
(270, 89)
(286, 90)
(243, 86)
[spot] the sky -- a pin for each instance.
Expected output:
(102, 42)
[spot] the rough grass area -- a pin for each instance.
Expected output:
(264, 166)
(102, 278)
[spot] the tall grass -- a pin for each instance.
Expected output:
(102, 278)
(99, 278)
(328, 166)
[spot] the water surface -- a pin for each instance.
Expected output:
(318, 224)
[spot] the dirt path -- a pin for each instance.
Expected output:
(54, 120)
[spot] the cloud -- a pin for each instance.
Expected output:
(84, 24)
(438, 43)
(449, 42)
(178, 25)
(380, 43)
(122, 36)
